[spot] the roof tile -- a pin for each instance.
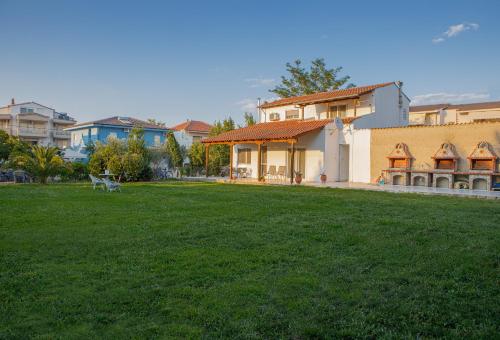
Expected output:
(193, 125)
(269, 131)
(323, 96)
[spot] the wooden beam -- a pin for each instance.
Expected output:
(259, 161)
(292, 163)
(255, 141)
(231, 161)
(206, 158)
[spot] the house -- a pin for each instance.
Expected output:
(323, 133)
(36, 123)
(115, 127)
(191, 131)
(437, 114)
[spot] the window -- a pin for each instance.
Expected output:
(196, 139)
(93, 131)
(292, 114)
(112, 135)
(244, 156)
(157, 140)
(337, 111)
(405, 114)
(274, 116)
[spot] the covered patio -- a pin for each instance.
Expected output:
(274, 152)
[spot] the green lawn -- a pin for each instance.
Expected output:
(235, 261)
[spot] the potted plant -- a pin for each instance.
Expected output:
(322, 176)
(298, 177)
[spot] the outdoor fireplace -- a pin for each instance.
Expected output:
(482, 164)
(400, 157)
(446, 158)
(400, 165)
(483, 158)
(445, 163)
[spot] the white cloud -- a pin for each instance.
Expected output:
(452, 98)
(248, 105)
(455, 30)
(260, 81)
(437, 40)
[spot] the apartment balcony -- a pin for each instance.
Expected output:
(60, 134)
(6, 129)
(32, 132)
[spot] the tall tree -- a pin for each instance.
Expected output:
(174, 151)
(196, 155)
(156, 122)
(219, 154)
(249, 119)
(318, 78)
(5, 146)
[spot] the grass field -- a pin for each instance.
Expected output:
(233, 261)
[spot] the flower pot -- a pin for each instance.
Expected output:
(298, 179)
(323, 178)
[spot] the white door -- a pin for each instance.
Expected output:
(343, 162)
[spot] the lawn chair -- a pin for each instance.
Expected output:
(96, 181)
(111, 186)
(271, 172)
(282, 172)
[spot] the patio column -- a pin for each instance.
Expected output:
(259, 161)
(231, 161)
(292, 163)
(206, 159)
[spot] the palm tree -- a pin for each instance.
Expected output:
(41, 162)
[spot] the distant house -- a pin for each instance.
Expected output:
(115, 127)
(36, 123)
(191, 131)
(437, 114)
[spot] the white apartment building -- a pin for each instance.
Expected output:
(437, 114)
(36, 123)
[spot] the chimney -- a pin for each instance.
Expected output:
(12, 102)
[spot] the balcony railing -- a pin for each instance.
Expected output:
(61, 134)
(32, 132)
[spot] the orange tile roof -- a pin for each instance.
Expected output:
(428, 108)
(325, 96)
(193, 125)
(282, 130)
(476, 106)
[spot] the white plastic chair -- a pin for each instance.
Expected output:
(110, 185)
(96, 181)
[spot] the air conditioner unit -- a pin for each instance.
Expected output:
(274, 116)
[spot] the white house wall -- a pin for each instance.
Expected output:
(360, 156)
(387, 111)
(319, 111)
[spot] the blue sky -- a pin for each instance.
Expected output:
(209, 59)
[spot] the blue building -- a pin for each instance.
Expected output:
(115, 127)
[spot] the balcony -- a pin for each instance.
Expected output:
(60, 134)
(32, 132)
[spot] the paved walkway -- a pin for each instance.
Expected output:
(364, 186)
(411, 189)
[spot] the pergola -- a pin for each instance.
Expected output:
(263, 133)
